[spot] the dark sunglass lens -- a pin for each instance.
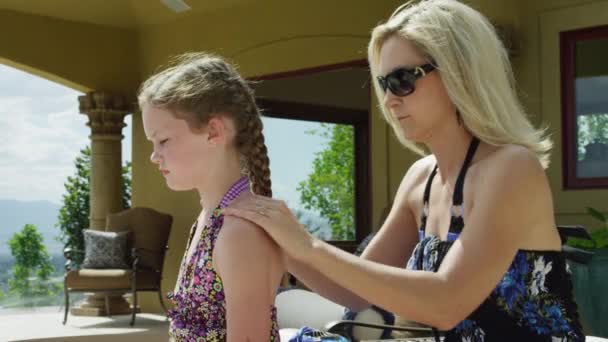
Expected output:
(400, 84)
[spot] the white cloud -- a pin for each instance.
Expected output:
(42, 133)
(32, 137)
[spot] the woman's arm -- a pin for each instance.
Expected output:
(250, 265)
(392, 245)
(324, 286)
(506, 208)
(496, 228)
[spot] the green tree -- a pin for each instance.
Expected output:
(329, 188)
(75, 211)
(32, 269)
(311, 225)
(592, 128)
(126, 185)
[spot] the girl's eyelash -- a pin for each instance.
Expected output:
(163, 141)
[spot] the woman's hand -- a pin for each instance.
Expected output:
(278, 221)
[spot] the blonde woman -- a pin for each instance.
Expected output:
(206, 132)
(474, 217)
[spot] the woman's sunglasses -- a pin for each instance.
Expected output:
(401, 81)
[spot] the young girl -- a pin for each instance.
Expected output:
(205, 127)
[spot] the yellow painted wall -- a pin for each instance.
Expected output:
(538, 75)
(80, 56)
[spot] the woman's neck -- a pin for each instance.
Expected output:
(450, 148)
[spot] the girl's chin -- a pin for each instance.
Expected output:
(178, 187)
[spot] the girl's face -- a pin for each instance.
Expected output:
(429, 106)
(183, 157)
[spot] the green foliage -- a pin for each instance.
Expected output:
(310, 224)
(599, 237)
(126, 185)
(32, 269)
(598, 216)
(74, 214)
(330, 187)
(592, 128)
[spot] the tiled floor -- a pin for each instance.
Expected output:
(44, 324)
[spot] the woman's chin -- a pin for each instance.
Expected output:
(415, 136)
(411, 135)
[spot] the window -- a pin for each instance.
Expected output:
(584, 72)
(319, 165)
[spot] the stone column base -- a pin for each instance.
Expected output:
(95, 305)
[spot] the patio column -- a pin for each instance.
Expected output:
(106, 119)
(106, 114)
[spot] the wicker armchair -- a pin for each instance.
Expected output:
(148, 244)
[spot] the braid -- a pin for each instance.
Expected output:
(257, 160)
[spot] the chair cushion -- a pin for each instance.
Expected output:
(109, 279)
(105, 249)
(149, 230)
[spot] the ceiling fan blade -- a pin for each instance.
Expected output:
(177, 6)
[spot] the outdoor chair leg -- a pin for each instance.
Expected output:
(67, 305)
(134, 291)
(134, 311)
(108, 306)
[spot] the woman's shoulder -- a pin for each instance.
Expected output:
(514, 153)
(506, 164)
(510, 174)
(510, 161)
(510, 182)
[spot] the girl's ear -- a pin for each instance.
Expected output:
(216, 128)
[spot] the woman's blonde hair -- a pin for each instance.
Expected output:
(474, 68)
(199, 86)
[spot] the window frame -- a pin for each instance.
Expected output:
(568, 40)
(359, 119)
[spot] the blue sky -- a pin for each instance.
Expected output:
(42, 133)
(291, 152)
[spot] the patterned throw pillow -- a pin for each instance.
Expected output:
(105, 249)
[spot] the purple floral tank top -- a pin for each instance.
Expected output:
(200, 305)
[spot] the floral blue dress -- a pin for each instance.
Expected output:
(532, 302)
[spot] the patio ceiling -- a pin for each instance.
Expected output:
(126, 14)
